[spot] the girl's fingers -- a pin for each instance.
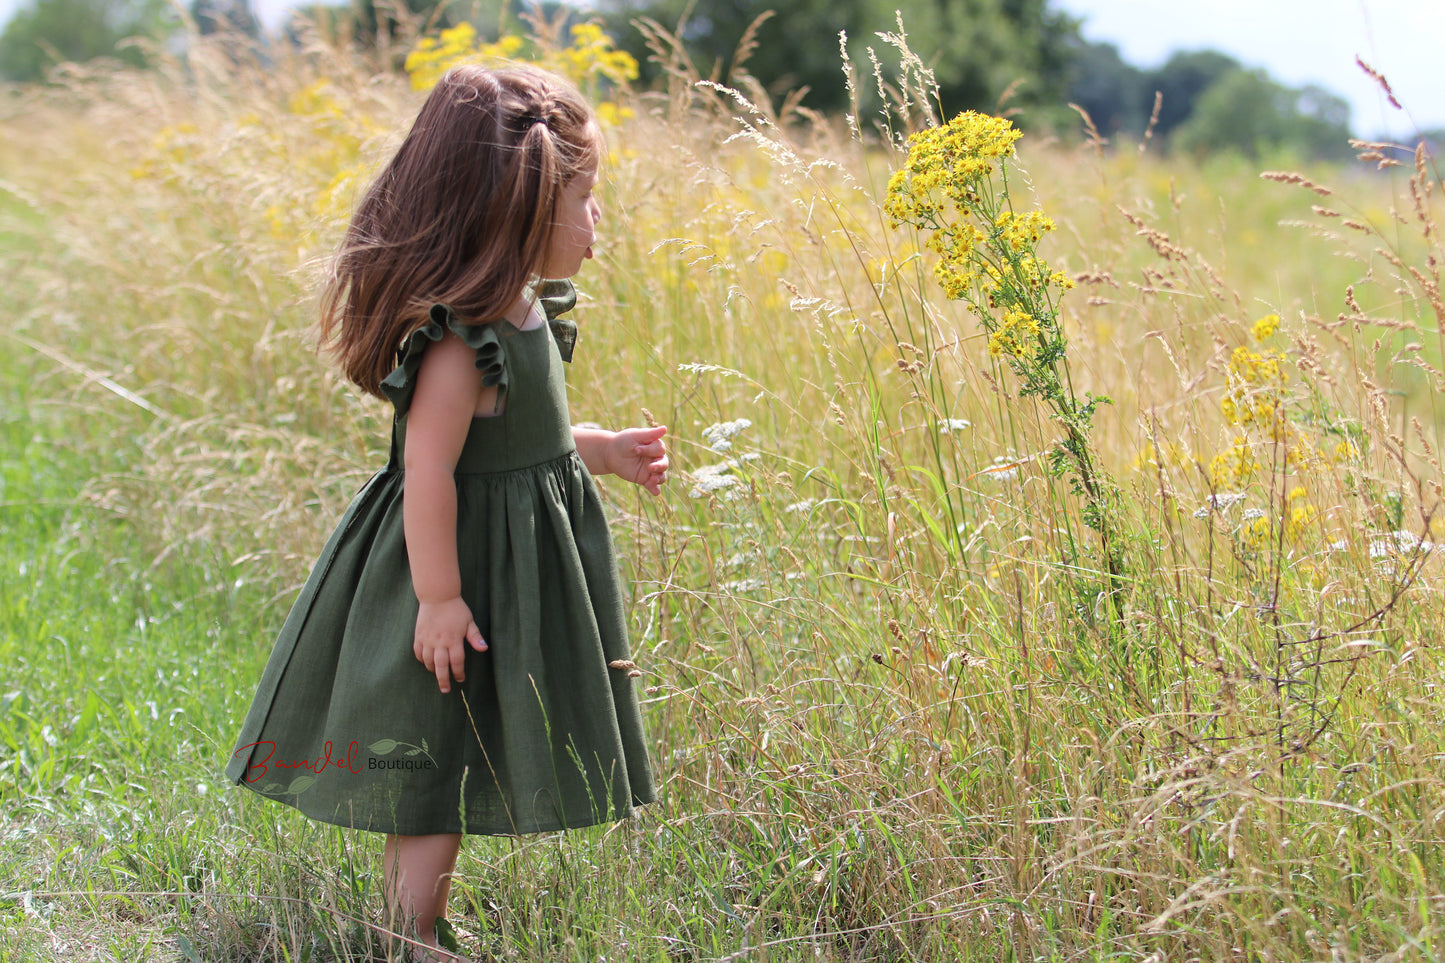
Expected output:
(458, 662)
(649, 441)
(449, 662)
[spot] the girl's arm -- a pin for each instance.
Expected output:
(638, 455)
(447, 388)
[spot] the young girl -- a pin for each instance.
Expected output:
(458, 662)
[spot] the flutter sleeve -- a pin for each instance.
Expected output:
(400, 385)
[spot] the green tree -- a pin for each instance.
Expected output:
(50, 31)
(1249, 113)
(223, 16)
(1112, 92)
(367, 23)
(986, 47)
(977, 48)
(1180, 83)
(367, 17)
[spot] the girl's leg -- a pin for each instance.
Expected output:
(418, 880)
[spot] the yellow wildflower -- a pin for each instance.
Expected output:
(955, 158)
(611, 115)
(1232, 468)
(1256, 531)
(1017, 335)
(1299, 519)
(590, 55)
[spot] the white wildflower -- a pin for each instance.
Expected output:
(802, 506)
(954, 424)
(1221, 502)
(1398, 542)
(714, 478)
(719, 436)
(1250, 514)
(743, 585)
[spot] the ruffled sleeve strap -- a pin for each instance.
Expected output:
(400, 385)
(558, 297)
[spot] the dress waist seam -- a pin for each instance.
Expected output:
(566, 456)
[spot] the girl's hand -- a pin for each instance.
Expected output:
(441, 628)
(638, 455)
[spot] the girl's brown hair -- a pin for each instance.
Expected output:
(463, 215)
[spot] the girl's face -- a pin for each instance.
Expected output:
(577, 215)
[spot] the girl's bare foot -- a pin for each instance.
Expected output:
(438, 946)
(433, 954)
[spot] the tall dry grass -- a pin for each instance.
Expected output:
(893, 715)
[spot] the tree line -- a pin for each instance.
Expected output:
(1019, 56)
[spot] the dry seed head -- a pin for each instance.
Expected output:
(626, 665)
(1375, 400)
(1153, 119)
(1157, 239)
(1379, 78)
(1294, 177)
(1424, 441)
(1381, 159)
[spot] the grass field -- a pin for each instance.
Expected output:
(899, 709)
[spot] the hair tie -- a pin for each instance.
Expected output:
(532, 120)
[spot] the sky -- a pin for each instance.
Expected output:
(1297, 41)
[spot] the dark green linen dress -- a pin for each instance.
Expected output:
(544, 734)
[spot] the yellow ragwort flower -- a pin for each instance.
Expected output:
(1232, 468)
(1265, 327)
(954, 159)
